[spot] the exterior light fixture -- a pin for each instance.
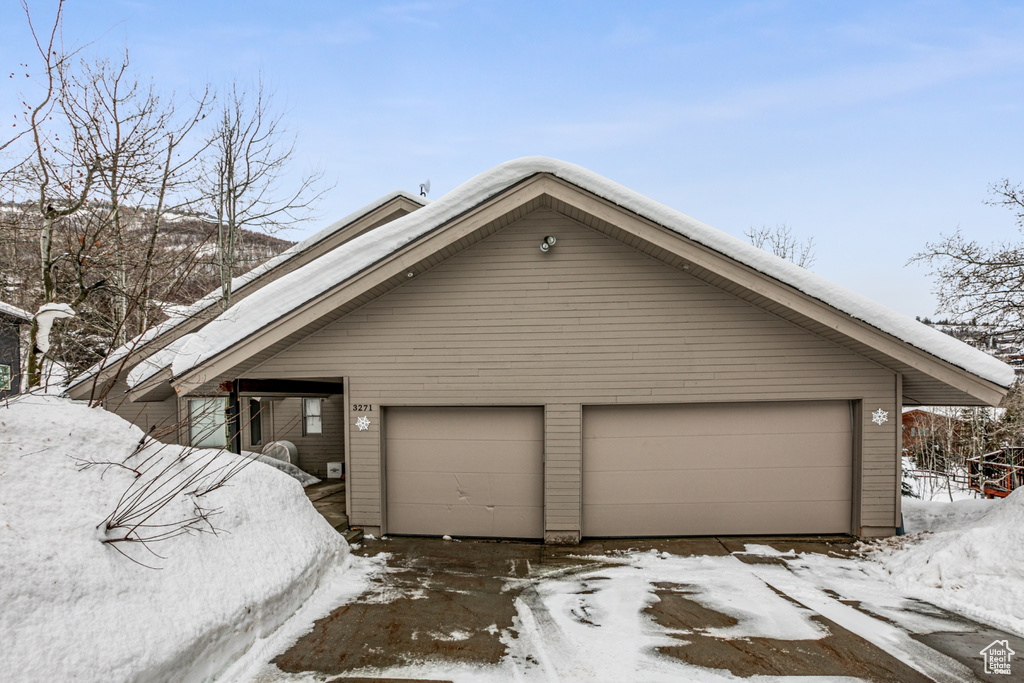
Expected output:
(409, 274)
(548, 242)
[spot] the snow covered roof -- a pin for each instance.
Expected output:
(15, 312)
(182, 314)
(317, 277)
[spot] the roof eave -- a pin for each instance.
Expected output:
(961, 380)
(155, 388)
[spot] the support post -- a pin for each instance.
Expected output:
(234, 420)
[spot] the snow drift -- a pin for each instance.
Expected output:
(972, 562)
(74, 608)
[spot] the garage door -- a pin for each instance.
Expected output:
(465, 471)
(729, 469)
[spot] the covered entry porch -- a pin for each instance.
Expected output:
(250, 414)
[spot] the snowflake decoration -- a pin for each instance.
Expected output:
(880, 417)
(363, 423)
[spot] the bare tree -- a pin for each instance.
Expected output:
(249, 155)
(781, 242)
(58, 167)
(983, 281)
(105, 160)
(141, 179)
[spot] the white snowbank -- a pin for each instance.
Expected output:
(180, 314)
(320, 275)
(74, 608)
(971, 561)
(342, 584)
(927, 515)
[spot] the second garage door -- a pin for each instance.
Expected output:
(710, 469)
(465, 471)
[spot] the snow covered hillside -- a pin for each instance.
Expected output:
(75, 608)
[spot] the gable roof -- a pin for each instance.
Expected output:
(166, 333)
(15, 312)
(192, 362)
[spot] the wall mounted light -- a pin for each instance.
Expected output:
(548, 242)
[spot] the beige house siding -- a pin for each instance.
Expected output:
(592, 322)
(563, 468)
(163, 415)
(284, 422)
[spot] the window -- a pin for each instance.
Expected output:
(5, 377)
(207, 422)
(311, 420)
(255, 422)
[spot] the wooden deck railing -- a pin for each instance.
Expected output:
(997, 474)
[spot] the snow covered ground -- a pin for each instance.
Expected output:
(594, 623)
(938, 486)
(968, 558)
(77, 608)
(223, 605)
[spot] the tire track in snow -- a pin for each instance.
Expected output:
(555, 652)
(889, 638)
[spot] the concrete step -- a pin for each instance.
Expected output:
(330, 503)
(335, 518)
(325, 489)
(328, 498)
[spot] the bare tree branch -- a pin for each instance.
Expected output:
(977, 281)
(781, 242)
(249, 155)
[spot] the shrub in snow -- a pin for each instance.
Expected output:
(75, 608)
(972, 563)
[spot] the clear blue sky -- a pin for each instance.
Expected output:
(872, 126)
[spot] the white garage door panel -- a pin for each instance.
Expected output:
(465, 471)
(472, 489)
(697, 452)
(710, 486)
(487, 424)
(756, 468)
(703, 519)
(467, 521)
(473, 455)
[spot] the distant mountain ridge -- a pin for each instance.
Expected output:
(178, 233)
(103, 272)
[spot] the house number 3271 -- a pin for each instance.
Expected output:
(362, 406)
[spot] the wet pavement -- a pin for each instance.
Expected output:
(456, 602)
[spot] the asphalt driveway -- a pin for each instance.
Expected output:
(674, 609)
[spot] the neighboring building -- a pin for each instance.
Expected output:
(268, 417)
(920, 428)
(11, 320)
(1005, 343)
(543, 353)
